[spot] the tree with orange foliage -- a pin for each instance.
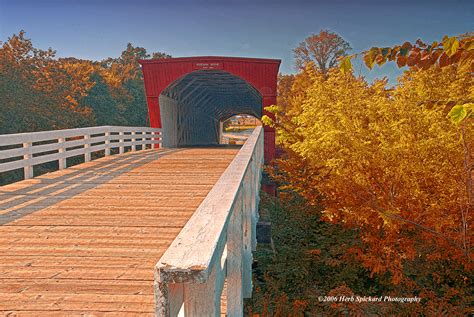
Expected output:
(386, 163)
(38, 92)
(323, 50)
(41, 92)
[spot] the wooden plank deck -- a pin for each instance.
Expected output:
(84, 240)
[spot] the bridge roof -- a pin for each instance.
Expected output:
(214, 90)
(210, 58)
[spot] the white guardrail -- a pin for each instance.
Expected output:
(24, 150)
(215, 246)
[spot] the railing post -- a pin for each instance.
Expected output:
(107, 143)
(204, 299)
(169, 297)
(235, 301)
(255, 188)
(138, 139)
(257, 166)
(61, 151)
(134, 147)
(247, 196)
(121, 139)
(87, 145)
(28, 169)
(144, 139)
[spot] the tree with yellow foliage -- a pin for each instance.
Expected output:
(391, 165)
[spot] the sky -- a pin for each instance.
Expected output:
(268, 29)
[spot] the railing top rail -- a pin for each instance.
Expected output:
(17, 138)
(192, 254)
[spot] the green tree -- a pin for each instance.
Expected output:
(102, 103)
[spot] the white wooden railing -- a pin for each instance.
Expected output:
(25, 150)
(216, 244)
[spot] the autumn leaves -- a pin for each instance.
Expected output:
(451, 50)
(387, 163)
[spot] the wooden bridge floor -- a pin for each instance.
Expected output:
(85, 240)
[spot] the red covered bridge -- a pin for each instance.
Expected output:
(187, 97)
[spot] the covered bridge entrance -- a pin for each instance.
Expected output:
(188, 97)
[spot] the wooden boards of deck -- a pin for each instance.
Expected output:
(85, 240)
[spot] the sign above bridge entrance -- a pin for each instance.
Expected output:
(202, 65)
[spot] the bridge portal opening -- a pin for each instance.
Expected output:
(237, 129)
(194, 107)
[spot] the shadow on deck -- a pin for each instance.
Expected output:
(86, 239)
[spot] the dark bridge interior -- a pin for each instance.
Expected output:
(193, 106)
